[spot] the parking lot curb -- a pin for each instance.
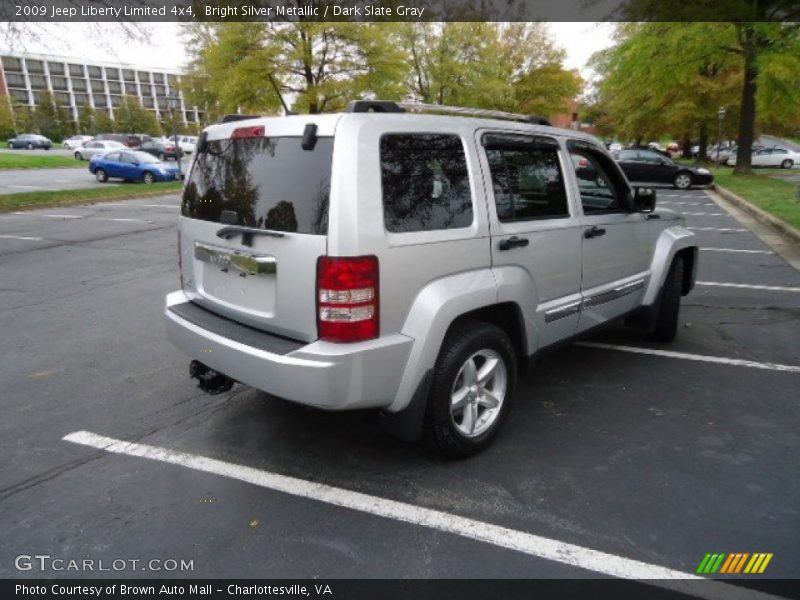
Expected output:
(760, 215)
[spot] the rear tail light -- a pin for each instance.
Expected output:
(347, 298)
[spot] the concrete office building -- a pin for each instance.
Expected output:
(100, 85)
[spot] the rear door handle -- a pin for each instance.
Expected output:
(513, 242)
(594, 232)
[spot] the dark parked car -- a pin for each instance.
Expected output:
(30, 141)
(649, 166)
(160, 149)
(131, 165)
(131, 140)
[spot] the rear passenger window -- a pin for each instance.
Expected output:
(425, 182)
(527, 182)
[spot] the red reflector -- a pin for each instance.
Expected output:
(247, 132)
(347, 298)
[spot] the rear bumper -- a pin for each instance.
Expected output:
(320, 374)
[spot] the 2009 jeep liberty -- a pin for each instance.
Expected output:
(411, 262)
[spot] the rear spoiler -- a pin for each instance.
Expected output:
(232, 118)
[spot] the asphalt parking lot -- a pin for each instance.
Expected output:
(17, 181)
(652, 455)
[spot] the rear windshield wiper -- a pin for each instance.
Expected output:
(247, 233)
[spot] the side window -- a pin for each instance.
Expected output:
(425, 182)
(115, 156)
(602, 188)
(527, 182)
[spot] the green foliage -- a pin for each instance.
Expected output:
(259, 67)
(7, 128)
(131, 117)
(319, 67)
(45, 118)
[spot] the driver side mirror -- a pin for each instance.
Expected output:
(644, 199)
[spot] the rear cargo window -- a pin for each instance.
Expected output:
(425, 182)
(267, 183)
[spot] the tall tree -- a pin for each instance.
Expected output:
(303, 66)
(7, 127)
(45, 117)
(131, 117)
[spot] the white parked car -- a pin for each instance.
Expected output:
(320, 286)
(772, 157)
(92, 148)
(76, 141)
(187, 143)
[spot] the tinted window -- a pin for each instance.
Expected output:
(425, 182)
(113, 156)
(601, 187)
(270, 183)
(527, 183)
(627, 155)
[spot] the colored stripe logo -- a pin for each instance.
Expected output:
(737, 562)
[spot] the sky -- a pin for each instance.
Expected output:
(166, 49)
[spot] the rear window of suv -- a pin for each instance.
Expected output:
(269, 183)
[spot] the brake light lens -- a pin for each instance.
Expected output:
(347, 298)
(241, 133)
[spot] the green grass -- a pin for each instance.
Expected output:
(36, 161)
(776, 196)
(31, 200)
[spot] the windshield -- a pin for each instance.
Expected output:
(269, 183)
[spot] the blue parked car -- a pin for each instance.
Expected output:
(131, 165)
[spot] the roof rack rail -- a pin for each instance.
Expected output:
(383, 106)
(233, 117)
(474, 112)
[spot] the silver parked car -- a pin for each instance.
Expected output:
(387, 258)
(90, 149)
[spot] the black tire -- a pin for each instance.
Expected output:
(78, 156)
(465, 340)
(665, 327)
(101, 175)
(162, 157)
(148, 177)
(682, 180)
(787, 164)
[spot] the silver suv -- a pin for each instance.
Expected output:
(388, 258)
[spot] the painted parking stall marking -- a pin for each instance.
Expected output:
(747, 286)
(503, 537)
(737, 250)
(21, 237)
(723, 229)
(721, 360)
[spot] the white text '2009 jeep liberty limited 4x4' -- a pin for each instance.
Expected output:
(387, 258)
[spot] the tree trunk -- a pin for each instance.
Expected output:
(747, 120)
(686, 146)
(702, 153)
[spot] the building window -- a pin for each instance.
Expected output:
(79, 85)
(148, 102)
(159, 78)
(97, 86)
(35, 66)
(55, 68)
(128, 75)
(112, 74)
(58, 83)
(38, 82)
(11, 63)
(100, 100)
(82, 99)
(15, 80)
(115, 100)
(95, 72)
(76, 70)
(61, 98)
(114, 87)
(19, 95)
(144, 76)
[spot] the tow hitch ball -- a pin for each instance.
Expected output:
(209, 380)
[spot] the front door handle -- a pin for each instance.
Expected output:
(513, 242)
(594, 232)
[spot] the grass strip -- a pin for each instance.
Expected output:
(122, 191)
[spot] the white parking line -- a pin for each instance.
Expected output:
(736, 362)
(735, 250)
(703, 214)
(520, 541)
(26, 187)
(688, 203)
(158, 205)
(716, 229)
(747, 286)
(21, 237)
(50, 216)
